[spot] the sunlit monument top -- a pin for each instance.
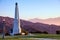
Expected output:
(16, 3)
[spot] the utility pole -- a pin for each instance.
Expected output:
(3, 26)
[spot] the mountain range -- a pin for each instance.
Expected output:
(35, 25)
(55, 21)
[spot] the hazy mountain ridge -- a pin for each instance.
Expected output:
(55, 21)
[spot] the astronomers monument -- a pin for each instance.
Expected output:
(16, 27)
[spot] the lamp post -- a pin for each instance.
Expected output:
(3, 25)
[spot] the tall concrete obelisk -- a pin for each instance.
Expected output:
(16, 27)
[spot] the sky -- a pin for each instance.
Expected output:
(29, 9)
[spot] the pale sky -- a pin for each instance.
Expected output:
(29, 9)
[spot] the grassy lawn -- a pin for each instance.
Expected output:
(55, 36)
(20, 37)
(17, 39)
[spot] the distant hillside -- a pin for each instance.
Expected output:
(25, 25)
(55, 21)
